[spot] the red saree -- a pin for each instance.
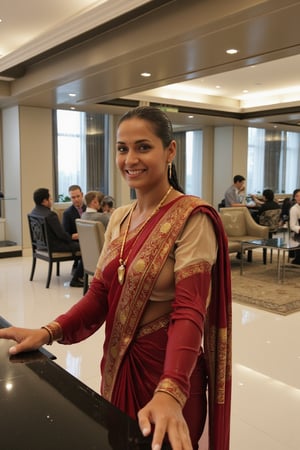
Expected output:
(137, 358)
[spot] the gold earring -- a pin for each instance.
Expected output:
(170, 170)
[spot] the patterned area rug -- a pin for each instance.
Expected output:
(258, 286)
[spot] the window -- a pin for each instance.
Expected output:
(81, 154)
(71, 151)
(188, 160)
(273, 160)
(193, 180)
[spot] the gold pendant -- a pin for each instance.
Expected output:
(121, 273)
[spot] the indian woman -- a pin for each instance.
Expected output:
(162, 288)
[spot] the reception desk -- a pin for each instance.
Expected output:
(43, 407)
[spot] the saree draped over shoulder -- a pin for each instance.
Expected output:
(184, 243)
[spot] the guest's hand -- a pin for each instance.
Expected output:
(166, 414)
(26, 339)
(75, 236)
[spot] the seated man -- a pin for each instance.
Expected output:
(68, 220)
(62, 241)
(234, 196)
(93, 200)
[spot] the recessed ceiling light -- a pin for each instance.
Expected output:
(231, 51)
(72, 107)
(72, 95)
(145, 74)
(218, 86)
(245, 91)
(190, 117)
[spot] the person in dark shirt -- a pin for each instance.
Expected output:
(268, 203)
(74, 211)
(61, 240)
(69, 223)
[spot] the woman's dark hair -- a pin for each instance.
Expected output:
(162, 128)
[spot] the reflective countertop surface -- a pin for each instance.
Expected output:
(44, 407)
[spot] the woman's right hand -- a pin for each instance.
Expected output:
(26, 339)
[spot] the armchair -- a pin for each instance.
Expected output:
(240, 226)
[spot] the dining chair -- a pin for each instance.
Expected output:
(42, 247)
(91, 240)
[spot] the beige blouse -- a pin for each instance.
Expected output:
(197, 243)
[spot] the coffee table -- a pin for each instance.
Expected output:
(282, 245)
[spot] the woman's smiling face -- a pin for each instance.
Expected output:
(141, 156)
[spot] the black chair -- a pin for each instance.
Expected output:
(221, 204)
(43, 249)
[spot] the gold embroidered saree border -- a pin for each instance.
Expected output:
(153, 326)
(142, 272)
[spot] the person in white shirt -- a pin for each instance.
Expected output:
(93, 200)
(295, 222)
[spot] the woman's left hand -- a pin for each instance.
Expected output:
(166, 414)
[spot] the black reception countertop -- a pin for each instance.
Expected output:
(43, 407)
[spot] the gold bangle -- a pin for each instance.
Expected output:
(55, 332)
(168, 386)
(50, 341)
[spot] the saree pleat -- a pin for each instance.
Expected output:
(141, 367)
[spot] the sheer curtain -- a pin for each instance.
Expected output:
(69, 151)
(273, 160)
(194, 154)
(292, 178)
(80, 151)
(274, 155)
(256, 157)
(95, 153)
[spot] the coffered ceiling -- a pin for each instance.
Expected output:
(89, 55)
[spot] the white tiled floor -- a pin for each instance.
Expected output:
(266, 354)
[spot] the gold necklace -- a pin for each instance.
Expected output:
(122, 262)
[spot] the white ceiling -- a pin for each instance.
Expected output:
(31, 27)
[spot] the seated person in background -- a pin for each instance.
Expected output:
(286, 206)
(295, 222)
(68, 220)
(234, 196)
(74, 211)
(107, 204)
(93, 200)
(62, 241)
(268, 203)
